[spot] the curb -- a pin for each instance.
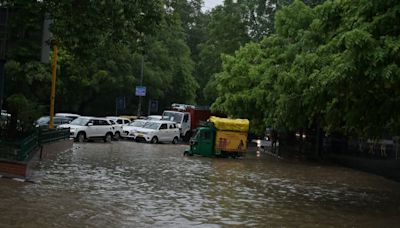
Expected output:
(17, 179)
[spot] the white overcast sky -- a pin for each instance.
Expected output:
(209, 4)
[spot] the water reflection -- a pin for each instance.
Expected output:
(124, 184)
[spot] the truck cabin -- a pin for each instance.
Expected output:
(177, 117)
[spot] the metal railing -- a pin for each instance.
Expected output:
(21, 150)
(52, 135)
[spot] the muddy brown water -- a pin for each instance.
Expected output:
(127, 184)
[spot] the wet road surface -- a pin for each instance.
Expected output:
(126, 184)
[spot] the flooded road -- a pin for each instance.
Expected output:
(126, 184)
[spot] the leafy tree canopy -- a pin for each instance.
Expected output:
(335, 64)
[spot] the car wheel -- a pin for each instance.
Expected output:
(186, 137)
(175, 140)
(108, 137)
(80, 137)
(154, 140)
(117, 135)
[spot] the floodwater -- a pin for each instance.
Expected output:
(127, 184)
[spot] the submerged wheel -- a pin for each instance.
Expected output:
(154, 140)
(80, 137)
(108, 137)
(117, 135)
(175, 140)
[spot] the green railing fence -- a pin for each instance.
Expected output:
(49, 135)
(21, 150)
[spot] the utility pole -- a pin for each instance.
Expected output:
(53, 83)
(141, 84)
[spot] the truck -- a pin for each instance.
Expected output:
(220, 137)
(187, 117)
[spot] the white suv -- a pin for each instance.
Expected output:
(118, 123)
(158, 131)
(90, 128)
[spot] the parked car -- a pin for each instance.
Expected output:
(158, 131)
(118, 123)
(83, 128)
(44, 121)
(129, 130)
(69, 115)
(4, 118)
(131, 118)
(154, 117)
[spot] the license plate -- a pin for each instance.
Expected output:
(139, 135)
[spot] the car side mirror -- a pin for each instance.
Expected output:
(90, 124)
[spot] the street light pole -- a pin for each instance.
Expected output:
(141, 84)
(53, 84)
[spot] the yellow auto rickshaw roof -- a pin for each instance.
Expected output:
(225, 124)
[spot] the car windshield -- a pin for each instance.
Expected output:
(44, 119)
(137, 124)
(80, 121)
(173, 116)
(152, 125)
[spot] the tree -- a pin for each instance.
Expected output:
(232, 26)
(333, 65)
(80, 26)
(227, 32)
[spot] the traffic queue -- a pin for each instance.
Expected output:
(207, 134)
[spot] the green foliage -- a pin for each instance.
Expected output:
(335, 64)
(170, 66)
(331, 63)
(24, 30)
(23, 113)
(91, 86)
(80, 26)
(32, 79)
(101, 44)
(233, 25)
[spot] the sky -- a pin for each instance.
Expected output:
(209, 4)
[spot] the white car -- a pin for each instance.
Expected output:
(118, 123)
(69, 115)
(128, 131)
(83, 128)
(158, 131)
(154, 117)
